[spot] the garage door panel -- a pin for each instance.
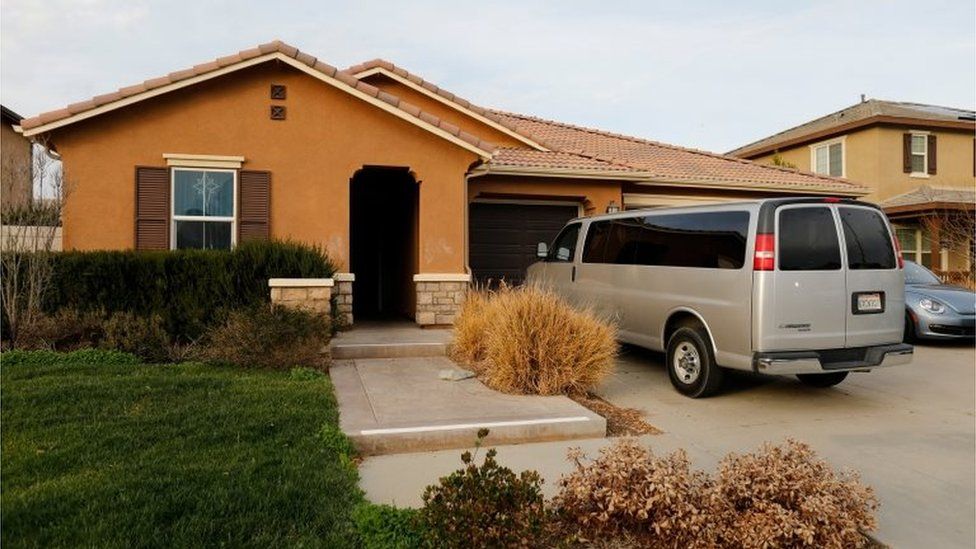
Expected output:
(503, 237)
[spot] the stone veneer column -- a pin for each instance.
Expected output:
(309, 294)
(439, 296)
(343, 289)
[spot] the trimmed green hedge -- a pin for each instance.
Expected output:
(189, 289)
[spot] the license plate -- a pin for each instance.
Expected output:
(870, 303)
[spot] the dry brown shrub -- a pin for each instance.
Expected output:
(786, 496)
(780, 496)
(266, 336)
(66, 330)
(628, 492)
(527, 340)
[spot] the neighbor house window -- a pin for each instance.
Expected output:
(920, 153)
(203, 208)
(916, 246)
(828, 158)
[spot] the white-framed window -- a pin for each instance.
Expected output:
(204, 206)
(920, 154)
(828, 157)
(917, 246)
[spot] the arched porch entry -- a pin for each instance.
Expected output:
(383, 242)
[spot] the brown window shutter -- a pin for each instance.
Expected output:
(906, 148)
(932, 157)
(253, 218)
(152, 208)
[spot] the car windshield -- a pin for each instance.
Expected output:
(917, 274)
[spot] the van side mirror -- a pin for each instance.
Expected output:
(542, 250)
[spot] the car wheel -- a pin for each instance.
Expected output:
(691, 365)
(910, 335)
(822, 380)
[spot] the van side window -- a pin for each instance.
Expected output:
(807, 240)
(564, 247)
(710, 240)
(868, 242)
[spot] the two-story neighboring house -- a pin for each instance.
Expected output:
(919, 160)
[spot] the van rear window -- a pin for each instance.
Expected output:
(869, 245)
(807, 240)
(709, 240)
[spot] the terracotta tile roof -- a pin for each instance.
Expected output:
(435, 89)
(276, 46)
(663, 162)
(861, 112)
(530, 158)
(926, 194)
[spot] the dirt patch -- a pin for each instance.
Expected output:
(621, 422)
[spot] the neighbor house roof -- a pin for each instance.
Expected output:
(246, 58)
(928, 197)
(552, 148)
(865, 113)
(9, 116)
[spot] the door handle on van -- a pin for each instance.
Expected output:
(572, 277)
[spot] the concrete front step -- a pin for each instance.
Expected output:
(396, 405)
(344, 351)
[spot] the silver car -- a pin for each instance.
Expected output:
(811, 287)
(934, 310)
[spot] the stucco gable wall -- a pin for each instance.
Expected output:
(326, 137)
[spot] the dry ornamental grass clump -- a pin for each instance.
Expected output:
(527, 340)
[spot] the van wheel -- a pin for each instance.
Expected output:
(822, 380)
(691, 366)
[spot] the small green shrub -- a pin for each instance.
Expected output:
(267, 336)
(485, 505)
(93, 357)
(305, 374)
(139, 335)
(387, 527)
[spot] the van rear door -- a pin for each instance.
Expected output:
(875, 284)
(804, 301)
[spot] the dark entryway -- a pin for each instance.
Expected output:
(503, 237)
(383, 242)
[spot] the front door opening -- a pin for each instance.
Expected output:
(383, 242)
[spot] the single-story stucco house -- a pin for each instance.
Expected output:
(404, 183)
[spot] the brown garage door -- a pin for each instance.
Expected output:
(503, 237)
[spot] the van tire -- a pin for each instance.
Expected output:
(693, 342)
(910, 336)
(822, 380)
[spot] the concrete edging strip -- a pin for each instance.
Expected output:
(459, 426)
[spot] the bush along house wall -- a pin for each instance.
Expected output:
(189, 289)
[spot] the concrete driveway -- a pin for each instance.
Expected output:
(910, 430)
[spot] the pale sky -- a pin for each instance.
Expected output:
(710, 75)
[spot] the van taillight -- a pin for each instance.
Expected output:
(764, 260)
(901, 260)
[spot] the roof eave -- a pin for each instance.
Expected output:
(749, 153)
(647, 178)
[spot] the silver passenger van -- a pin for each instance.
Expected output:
(811, 287)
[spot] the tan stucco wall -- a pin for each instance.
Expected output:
(444, 112)
(15, 168)
(312, 155)
(874, 158)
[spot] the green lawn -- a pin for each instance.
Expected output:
(99, 450)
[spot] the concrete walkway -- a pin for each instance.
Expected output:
(394, 399)
(909, 430)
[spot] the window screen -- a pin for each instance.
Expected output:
(807, 240)
(867, 239)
